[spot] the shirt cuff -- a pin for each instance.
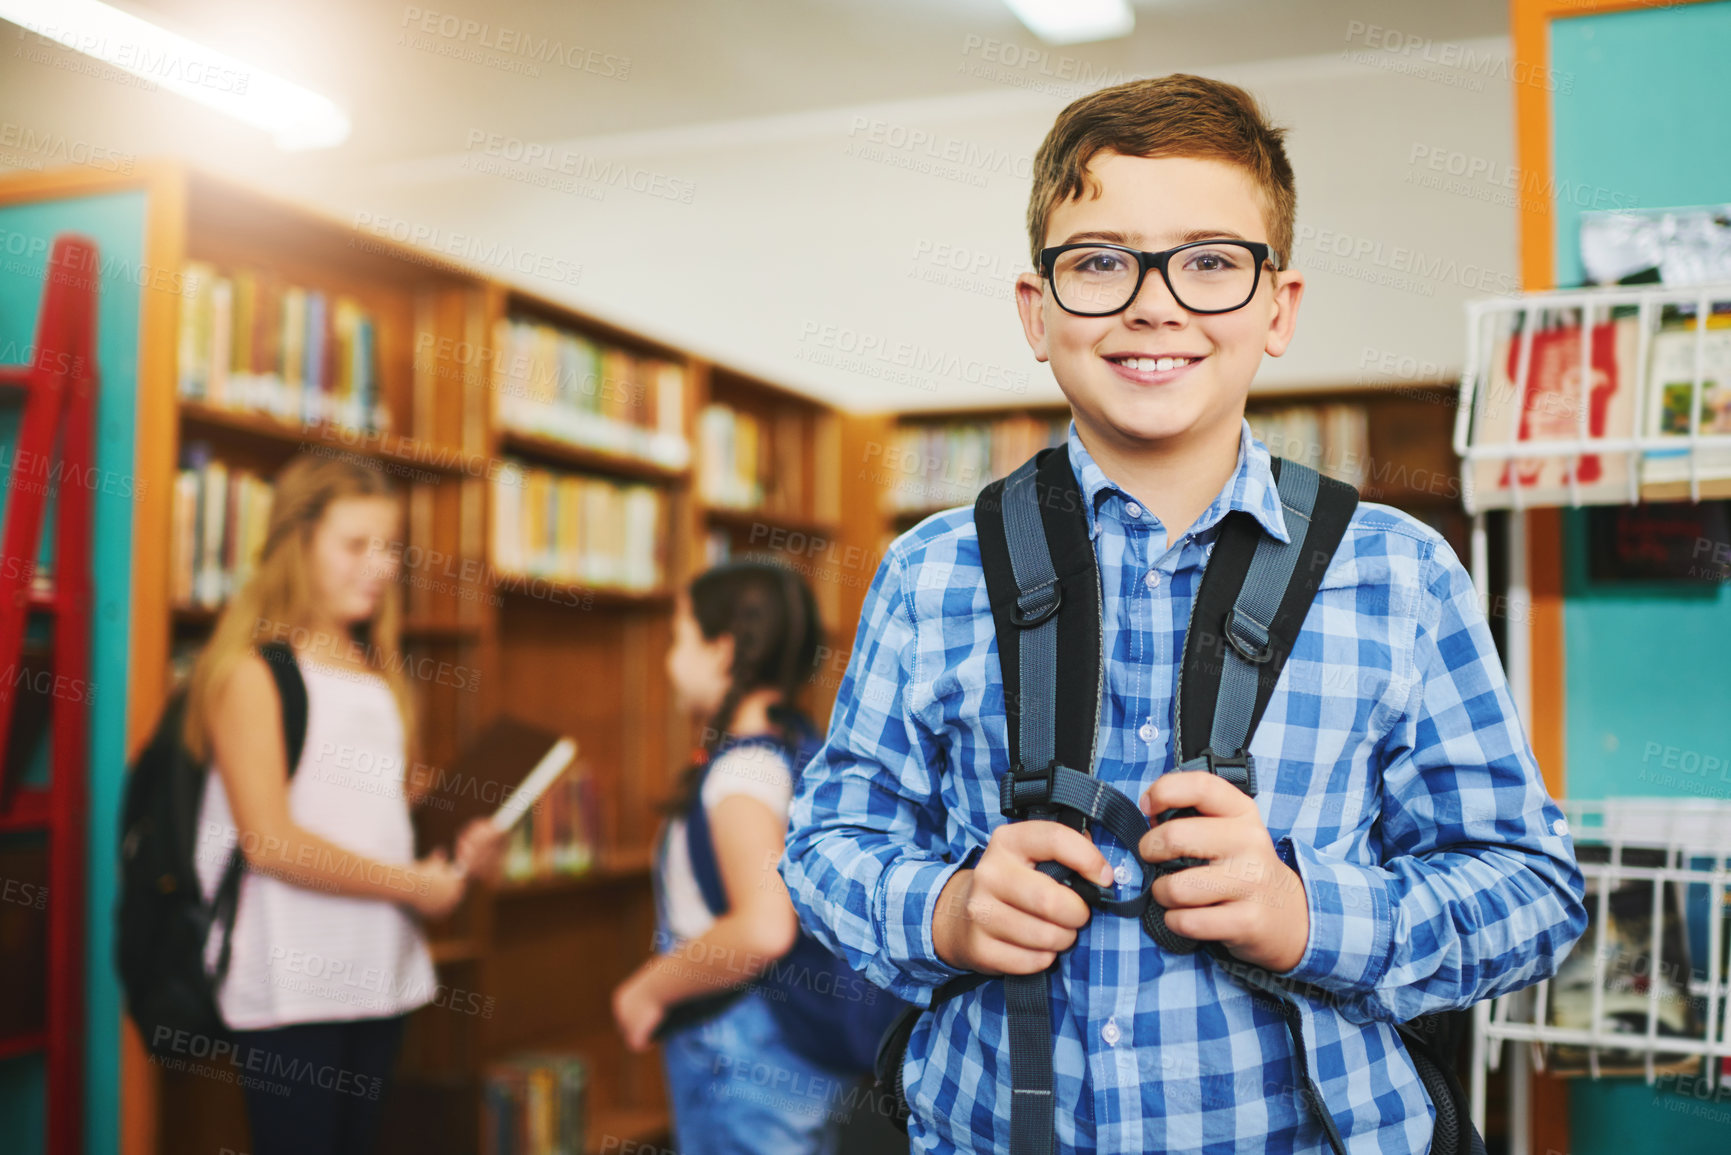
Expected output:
(1350, 923)
(907, 903)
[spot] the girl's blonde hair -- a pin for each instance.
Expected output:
(275, 602)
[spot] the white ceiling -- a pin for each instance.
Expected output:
(756, 108)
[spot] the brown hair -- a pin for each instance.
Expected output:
(275, 600)
(1177, 115)
(772, 616)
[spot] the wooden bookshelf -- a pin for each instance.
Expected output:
(575, 658)
(1407, 459)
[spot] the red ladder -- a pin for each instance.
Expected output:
(54, 456)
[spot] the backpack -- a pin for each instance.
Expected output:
(826, 1011)
(1039, 559)
(164, 920)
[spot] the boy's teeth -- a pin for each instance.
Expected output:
(1156, 364)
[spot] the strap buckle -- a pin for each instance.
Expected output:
(1032, 606)
(1248, 636)
(1022, 789)
(1238, 769)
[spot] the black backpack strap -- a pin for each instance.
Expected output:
(291, 690)
(1038, 557)
(1254, 597)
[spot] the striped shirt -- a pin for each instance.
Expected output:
(1393, 775)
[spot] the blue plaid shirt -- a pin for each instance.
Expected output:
(1394, 777)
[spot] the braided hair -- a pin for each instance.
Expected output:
(770, 613)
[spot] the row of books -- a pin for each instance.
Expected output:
(1555, 407)
(535, 1104)
(749, 463)
(252, 341)
(572, 528)
(929, 466)
(559, 835)
(218, 522)
(1331, 439)
(557, 383)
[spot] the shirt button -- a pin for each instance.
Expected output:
(1133, 509)
(1122, 874)
(1151, 579)
(1109, 1032)
(1148, 732)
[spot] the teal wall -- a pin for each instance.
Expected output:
(116, 222)
(1648, 669)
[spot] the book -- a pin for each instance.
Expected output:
(250, 340)
(928, 466)
(575, 528)
(218, 521)
(536, 1103)
(557, 383)
(1332, 439)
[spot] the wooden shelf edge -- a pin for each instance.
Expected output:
(572, 593)
(624, 869)
(205, 616)
(394, 448)
(575, 456)
(740, 518)
(456, 950)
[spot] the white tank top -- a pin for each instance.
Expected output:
(299, 954)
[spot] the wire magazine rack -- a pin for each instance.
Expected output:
(1676, 847)
(1494, 391)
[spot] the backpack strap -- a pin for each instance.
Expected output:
(1258, 589)
(1037, 556)
(291, 690)
(700, 843)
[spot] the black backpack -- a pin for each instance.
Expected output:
(1248, 611)
(827, 1011)
(164, 921)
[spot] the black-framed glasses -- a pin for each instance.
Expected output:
(1092, 279)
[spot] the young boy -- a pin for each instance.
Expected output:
(1400, 856)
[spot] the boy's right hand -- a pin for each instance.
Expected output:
(1005, 917)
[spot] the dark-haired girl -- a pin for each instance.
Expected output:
(745, 639)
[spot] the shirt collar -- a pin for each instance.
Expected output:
(1251, 487)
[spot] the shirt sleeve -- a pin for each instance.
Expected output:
(755, 771)
(1478, 892)
(866, 855)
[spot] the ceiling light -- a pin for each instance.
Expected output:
(1074, 21)
(299, 118)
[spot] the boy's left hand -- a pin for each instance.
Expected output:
(1245, 898)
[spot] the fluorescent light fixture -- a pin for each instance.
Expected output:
(299, 118)
(1074, 21)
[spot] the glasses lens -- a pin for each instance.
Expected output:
(1218, 275)
(1094, 280)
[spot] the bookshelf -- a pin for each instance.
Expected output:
(458, 401)
(1393, 444)
(769, 484)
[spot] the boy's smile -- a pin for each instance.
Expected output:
(1157, 374)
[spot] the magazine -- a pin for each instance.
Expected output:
(1630, 972)
(1670, 383)
(1550, 410)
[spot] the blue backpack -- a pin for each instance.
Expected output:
(827, 1011)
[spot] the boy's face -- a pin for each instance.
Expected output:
(1153, 204)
